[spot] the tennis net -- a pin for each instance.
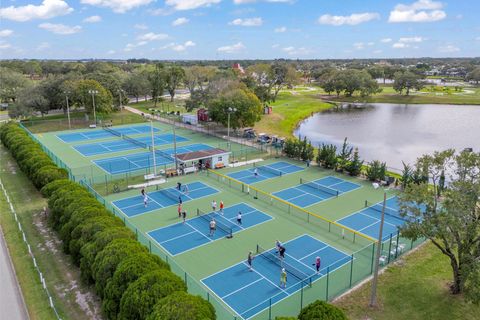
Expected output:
(114, 132)
(300, 275)
(388, 211)
(169, 194)
(319, 187)
(163, 154)
(134, 141)
(269, 170)
(220, 225)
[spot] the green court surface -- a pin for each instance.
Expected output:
(287, 222)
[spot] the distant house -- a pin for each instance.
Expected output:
(237, 66)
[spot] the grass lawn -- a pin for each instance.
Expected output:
(165, 105)
(388, 95)
(63, 279)
(416, 287)
(289, 109)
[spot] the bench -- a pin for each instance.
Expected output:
(92, 126)
(171, 172)
(108, 123)
(219, 165)
(189, 170)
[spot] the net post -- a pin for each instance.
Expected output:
(373, 257)
(270, 309)
(366, 203)
(328, 276)
(389, 248)
(396, 247)
(351, 271)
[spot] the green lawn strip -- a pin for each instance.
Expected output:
(288, 111)
(416, 287)
(61, 276)
(162, 106)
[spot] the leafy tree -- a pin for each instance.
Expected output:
(321, 310)
(452, 222)
(156, 77)
(142, 295)
(83, 97)
(474, 75)
(110, 81)
(407, 175)
(247, 105)
(127, 272)
(306, 150)
(344, 156)
(11, 83)
(197, 76)
(182, 306)
(376, 170)
(279, 76)
(32, 98)
(136, 84)
(327, 156)
(174, 75)
(354, 166)
(407, 81)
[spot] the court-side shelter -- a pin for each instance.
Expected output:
(210, 158)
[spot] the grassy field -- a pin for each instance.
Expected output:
(162, 106)
(388, 95)
(71, 299)
(290, 108)
(415, 288)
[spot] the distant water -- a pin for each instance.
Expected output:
(396, 132)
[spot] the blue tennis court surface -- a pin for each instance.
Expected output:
(134, 206)
(250, 292)
(181, 237)
(101, 134)
(367, 221)
(265, 172)
(143, 160)
(307, 194)
(122, 145)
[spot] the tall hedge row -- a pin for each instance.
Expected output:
(133, 283)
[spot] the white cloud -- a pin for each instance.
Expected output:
(296, 51)
(190, 4)
(141, 26)
(93, 19)
(252, 1)
(131, 46)
(420, 11)
(5, 33)
(400, 45)
(377, 51)
(448, 49)
(359, 45)
(43, 46)
(386, 40)
(60, 28)
(281, 29)
(118, 6)
(48, 9)
(152, 36)
(110, 52)
(4, 45)
(183, 47)
(370, 43)
(248, 22)
(234, 48)
(353, 19)
(179, 21)
(411, 39)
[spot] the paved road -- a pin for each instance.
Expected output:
(12, 306)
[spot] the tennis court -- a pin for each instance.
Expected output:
(102, 134)
(143, 160)
(134, 206)
(180, 237)
(308, 193)
(272, 170)
(250, 292)
(367, 221)
(92, 149)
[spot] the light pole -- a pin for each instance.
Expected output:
(229, 111)
(93, 93)
(68, 109)
(120, 95)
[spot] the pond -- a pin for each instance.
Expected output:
(396, 132)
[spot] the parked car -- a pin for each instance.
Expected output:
(264, 138)
(249, 133)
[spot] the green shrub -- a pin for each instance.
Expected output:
(47, 174)
(48, 189)
(321, 310)
(142, 295)
(128, 271)
(182, 306)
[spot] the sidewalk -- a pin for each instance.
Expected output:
(12, 306)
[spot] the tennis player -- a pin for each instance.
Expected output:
(221, 206)
(239, 218)
(281, 252)
(213, 227)
(317, 264)
(214, 205)
(283, 278)
(255, 173)
(250, 260)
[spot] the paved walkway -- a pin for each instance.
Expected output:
(12, 306)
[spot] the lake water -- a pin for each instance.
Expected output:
(396, 132)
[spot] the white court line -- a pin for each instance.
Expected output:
(358, 211)
(241, 288)
(209, 239)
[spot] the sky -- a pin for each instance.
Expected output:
(238, 29)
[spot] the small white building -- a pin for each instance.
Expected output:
(210, 159)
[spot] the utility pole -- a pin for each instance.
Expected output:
(373, 297)
(68, 111)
